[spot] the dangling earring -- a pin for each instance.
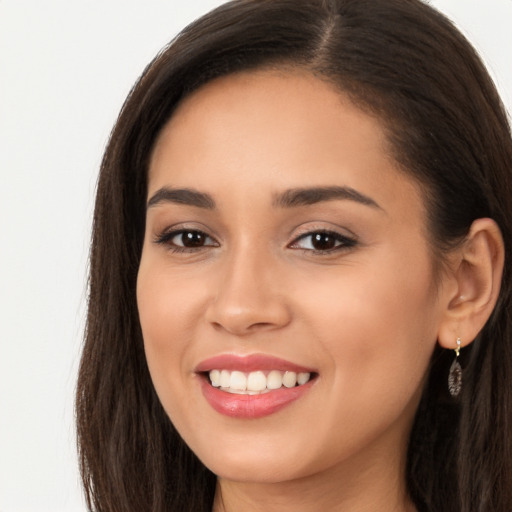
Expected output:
(455, 375)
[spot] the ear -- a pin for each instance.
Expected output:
(476, 271)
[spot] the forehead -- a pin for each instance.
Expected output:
(287, 128)
(298, 94)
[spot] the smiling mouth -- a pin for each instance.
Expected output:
(256, 382)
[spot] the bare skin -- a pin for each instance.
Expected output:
(384, 493)
(301, 240)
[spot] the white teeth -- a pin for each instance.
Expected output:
(238, 381)
(215, 378)
(274, 380)
(289, 379)
(302, 378)
(256, 382)
(225, 379)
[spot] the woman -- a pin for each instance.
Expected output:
(299, 297)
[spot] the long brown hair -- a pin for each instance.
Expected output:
(406, 64)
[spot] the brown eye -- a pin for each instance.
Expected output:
(186, 239)
(190, 239)
(323, 242)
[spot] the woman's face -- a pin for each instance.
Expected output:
(283, 244)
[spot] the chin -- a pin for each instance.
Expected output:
(256, 471)
(250, 460)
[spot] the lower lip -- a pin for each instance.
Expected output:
(251, 406)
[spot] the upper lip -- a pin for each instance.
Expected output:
(249, 363)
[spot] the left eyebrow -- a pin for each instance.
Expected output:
(307, 196)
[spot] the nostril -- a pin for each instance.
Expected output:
(260, 325)
(241, 329)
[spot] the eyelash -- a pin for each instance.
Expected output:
(343, 242)
(166, 239)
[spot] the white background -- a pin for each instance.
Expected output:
(65, 69)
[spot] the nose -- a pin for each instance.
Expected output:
(249, 296)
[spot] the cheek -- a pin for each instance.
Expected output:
(169, 303)
(377, 328)
(167, 321)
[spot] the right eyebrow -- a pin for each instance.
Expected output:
(186, 196)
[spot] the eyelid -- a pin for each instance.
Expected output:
(343, 241)
(163, 230)
(165, 237)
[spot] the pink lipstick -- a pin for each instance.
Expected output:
(252, 386)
